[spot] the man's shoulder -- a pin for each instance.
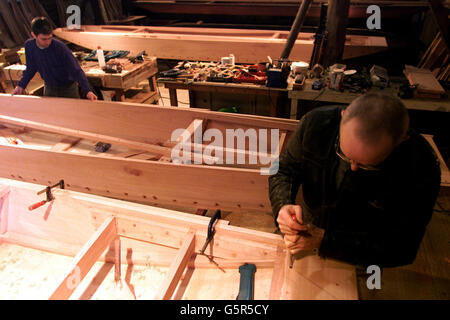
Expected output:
(322, 117)
(30, 43)
(59, 44)
(418, 157)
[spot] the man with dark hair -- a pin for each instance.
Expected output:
(55, 63)
(369, 184)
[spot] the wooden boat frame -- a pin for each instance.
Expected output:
(107, 227)
(93, 228)
(145, 133)
(209, 44)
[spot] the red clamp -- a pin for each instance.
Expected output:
(48, 192)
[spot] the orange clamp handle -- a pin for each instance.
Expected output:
(37, 205)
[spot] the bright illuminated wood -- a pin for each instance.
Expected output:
(84, 260)
(177, 268)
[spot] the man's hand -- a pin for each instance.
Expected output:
(304, 241)
(91, 96)
(286, 223)
(297, 236)
(17, 90)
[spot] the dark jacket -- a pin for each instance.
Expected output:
(56, 65)
(372, 217)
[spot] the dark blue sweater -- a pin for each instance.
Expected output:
(56, 65)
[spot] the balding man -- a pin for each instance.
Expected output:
(369, 184)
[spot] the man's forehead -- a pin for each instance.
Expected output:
(45, 36)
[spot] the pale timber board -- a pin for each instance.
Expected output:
(137, 180)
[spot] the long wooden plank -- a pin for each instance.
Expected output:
(129, 121)
(248, 46)
(177, 268)
(190, 186)
(85, 259)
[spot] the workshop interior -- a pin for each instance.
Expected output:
(148, 149)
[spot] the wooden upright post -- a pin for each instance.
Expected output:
(440, 14)
(337, 18)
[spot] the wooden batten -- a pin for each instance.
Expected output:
(276, 286)
(4, 209)
(85, 259)
(177, 268)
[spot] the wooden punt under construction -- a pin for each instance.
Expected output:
(209, 44)
(48, 139)
(81, 246)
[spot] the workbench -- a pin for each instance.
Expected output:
(274, 97)
(128, 79)
(11, 75)
(329, 95)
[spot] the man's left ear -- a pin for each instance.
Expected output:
(33, 35)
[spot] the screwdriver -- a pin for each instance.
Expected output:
(304, 234)
(291, 256)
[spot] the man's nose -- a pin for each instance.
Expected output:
(354, 166)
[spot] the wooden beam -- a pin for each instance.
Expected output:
(206, 44)
(281, 142)
(117, 259)
(176, 269)
(65, 144)
(445, 172)
(441, 14)
(337, 18)
(278, 276)
(87, 135)
(138, 180)
(85, 259)
(4, 209)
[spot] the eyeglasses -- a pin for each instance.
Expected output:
(349, 161)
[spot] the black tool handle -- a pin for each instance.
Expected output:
(246, 284)
(217, 215)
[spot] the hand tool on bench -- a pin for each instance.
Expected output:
(48, 192)
(246, 284)
(211, 232)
